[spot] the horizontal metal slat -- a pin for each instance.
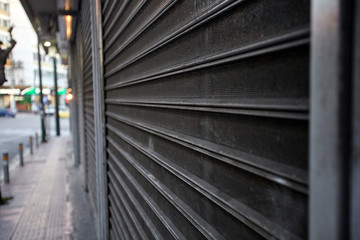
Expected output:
(167, 223)
(115, 6)
(114, 232)
(115, 18)
(88, 105)
(220, 108)
(204, 228)
(89, 99)
(140, 24)
(89, 92)
(117, 223)
(128, 199)
(88, 64)
(105, 6)
(123, 24)
(88, 74)
(257, 49)
(193, 42)
(88, 83)
(89, 113)
(194, 17)
(90, 135)
(126, 215)
(224, 201)
(87, 52)
(291, 177)
(89, 102)
(90, 149)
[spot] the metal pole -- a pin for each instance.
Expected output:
(31, 145)
(0, 195)
(57, 122)
(37, 140)
(6, 167)
(330, 119)
(21, 153)
(99, 106)
(42, 112)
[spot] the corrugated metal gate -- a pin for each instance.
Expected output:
(206, 118)
(90, 163)
(77, 65)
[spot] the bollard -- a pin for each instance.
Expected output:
(31, 145)
(21, 153)
(37, 140)
(6, 167)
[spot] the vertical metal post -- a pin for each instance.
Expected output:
(42, 112)
(57, 122)
(6, 167)
(73, 114)
(21, 154)
(330, 118)
(355, 158)
(31, 145)
(99, 106)
(0, 195)
(37, 140)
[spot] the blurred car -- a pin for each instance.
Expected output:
(50, 111)
(64, 112)
(7, 112)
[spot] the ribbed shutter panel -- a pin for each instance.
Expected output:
(88, 102)
(207, 118)
(77, 68)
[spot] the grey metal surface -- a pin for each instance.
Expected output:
(74, 104)
(206, 106)
(57, 117)
(330, 126)
(78, 97)
(99, 118)
(78, 49)
(88, 101)
(355, 164)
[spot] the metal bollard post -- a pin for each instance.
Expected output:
(37, 140)
(21, 153)
(6, 167)
(31, 145)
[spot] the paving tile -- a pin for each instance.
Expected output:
(49, 201)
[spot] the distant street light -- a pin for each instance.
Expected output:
(47, 44)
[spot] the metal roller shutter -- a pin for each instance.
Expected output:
(78, 91)
(78, 65)
(88, 103)
(207, 118)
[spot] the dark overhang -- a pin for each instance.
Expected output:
(53, 20)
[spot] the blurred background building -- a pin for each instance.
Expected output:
(21, 91)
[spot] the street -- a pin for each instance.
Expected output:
(18, 130)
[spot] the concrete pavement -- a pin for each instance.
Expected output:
(49, 200)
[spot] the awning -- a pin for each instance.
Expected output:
(36, 91)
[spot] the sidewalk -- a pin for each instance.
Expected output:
(49, 199)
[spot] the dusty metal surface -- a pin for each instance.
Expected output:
(207, 118)
(355, 164)
(88, 101)
(330, 120)
(99, 118)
